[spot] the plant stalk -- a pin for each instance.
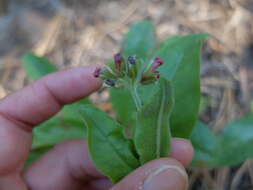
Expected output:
(136, 97)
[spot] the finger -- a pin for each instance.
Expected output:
(30, 106)
(162, 174)
(182, 151)
(44, 98)
(69, 165)
(12, 182)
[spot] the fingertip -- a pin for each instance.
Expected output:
(182, 150)
(72, 84)
(163, 173)
(89, 72)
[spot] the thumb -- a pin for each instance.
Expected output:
(160, 174)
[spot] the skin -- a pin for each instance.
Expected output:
(68, 165)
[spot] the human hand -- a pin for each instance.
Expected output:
(68, 165)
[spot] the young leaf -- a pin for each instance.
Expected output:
(185, 78)
(140, 40)
(110, 150)
(56, 130)
(152, 133)
(37, 67)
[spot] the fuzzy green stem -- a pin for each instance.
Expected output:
(136, 97)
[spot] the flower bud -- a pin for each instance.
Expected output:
(131, 60)
(156, 63)
(118, 59)
(148, 79)
(110, 82)
(132, 65)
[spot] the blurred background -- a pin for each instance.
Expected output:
(75, 33)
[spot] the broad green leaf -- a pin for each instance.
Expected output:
(37, 67)
(65, 126)
(235, 142)
(231, 147)
(110, 150)
(71, 111)
(140, 40)
(204, 143)
(57, 130)
(123, 105)
(182, 66)
(152, 133)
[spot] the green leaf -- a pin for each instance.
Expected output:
(204, 143)
(182, 66)
(235, 142)
(37, 67)
(57, 130)
(231, 147)
(152, 133)
(140, 40)
(65, 126)
(110, 150)
(71, 111)
(123, 105)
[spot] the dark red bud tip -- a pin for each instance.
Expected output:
(156, 63)
(118, 58)
(97, 72)
(158, 76)
(159, 60)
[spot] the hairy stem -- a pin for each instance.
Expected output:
(136, 97)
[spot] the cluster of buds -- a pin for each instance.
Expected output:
(118, 72)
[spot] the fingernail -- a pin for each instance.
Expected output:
(166, 177)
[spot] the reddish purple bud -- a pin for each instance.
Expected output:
(118, 58)
(158, 76)
(156, 63)
(159, 60)
(97, 72)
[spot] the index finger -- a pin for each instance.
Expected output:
(23, 110)
(45, 97)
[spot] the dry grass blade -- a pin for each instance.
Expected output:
(250, 169)
(2, 92)
(50, 38)
(222, 176)
(238, 175)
